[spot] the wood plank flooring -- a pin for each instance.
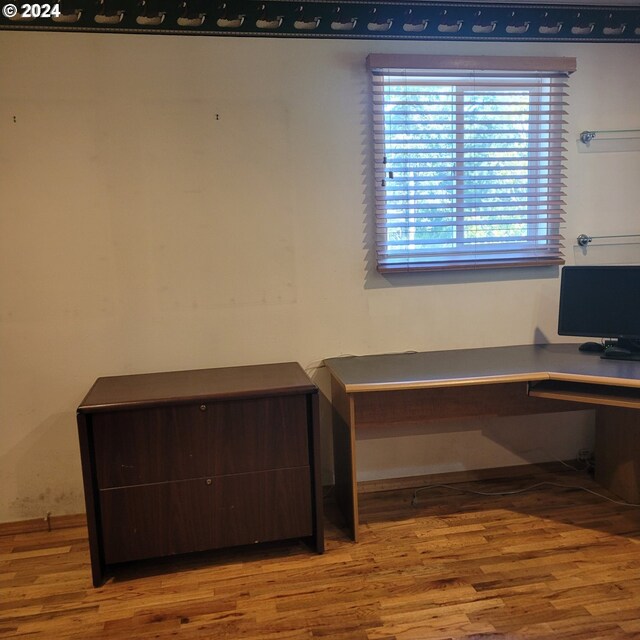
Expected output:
(549, 564)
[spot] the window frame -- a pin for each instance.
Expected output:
(542, 248)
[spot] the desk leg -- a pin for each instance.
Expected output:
(344, 456)
(617, 451)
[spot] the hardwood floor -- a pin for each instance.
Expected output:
(551, 563)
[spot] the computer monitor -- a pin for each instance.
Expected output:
(602, 302)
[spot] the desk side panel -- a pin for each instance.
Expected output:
(617, 454)
(90, 484)
(344, 452)
(315, 463)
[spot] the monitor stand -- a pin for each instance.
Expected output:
(622, 349)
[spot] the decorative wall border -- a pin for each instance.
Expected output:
(385, 19)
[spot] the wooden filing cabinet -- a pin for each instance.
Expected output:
(195, 460)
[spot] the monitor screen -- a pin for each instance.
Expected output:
(601, 302)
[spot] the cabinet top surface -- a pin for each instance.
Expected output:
(153, 389)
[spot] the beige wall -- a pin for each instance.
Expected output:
(175, 202)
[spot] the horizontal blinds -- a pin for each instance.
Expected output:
(469, 166)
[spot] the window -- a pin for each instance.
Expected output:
(468, 161)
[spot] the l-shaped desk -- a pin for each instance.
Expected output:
(413, 388)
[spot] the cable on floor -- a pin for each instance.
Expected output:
(414, 500)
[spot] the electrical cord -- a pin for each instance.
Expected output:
(414, 500)
(564, 463)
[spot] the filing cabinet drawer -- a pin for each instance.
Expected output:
(208, 513)
(207, 439)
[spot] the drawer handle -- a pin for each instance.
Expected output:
(209, 481)
(203, 407)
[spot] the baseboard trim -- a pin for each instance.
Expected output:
(496, 473)
(43, 524)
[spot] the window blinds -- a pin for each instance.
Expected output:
(468, 162)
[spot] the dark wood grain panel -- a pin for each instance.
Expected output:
(156, 520)
(192, 460)
(178, 517)
(313, 417)
(258, 435)
(91, 497)
(193, 441)
(260, 507)
(153, 389)
(618, 451)
(417, 406)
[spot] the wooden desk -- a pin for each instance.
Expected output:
(412, 388)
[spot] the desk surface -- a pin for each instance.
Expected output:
(480, 366)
